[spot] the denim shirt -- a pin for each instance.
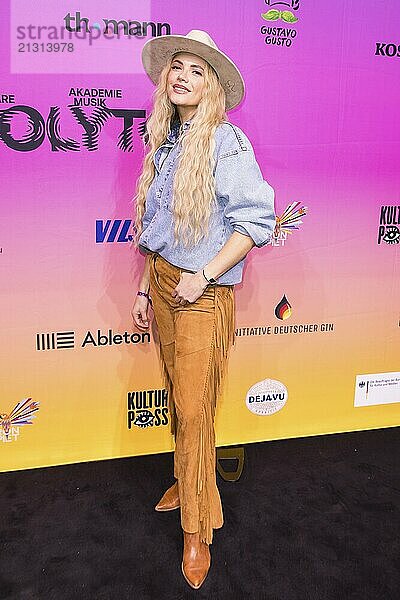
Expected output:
(245, 202)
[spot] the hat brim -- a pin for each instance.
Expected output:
(157, 51)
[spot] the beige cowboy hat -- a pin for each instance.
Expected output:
(157, 51)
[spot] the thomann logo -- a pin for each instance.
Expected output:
(73, 23)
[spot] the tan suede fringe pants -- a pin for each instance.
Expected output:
(195, 339)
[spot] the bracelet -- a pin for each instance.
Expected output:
(211, 280)
(144, 294)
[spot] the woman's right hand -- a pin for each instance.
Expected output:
(140, 312)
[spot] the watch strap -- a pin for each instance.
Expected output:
(209, 279)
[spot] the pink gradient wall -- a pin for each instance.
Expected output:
(323, 117)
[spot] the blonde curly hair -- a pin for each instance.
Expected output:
(194, 183)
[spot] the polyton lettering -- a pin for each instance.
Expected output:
(90, 126)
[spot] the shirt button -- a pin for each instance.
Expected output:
(158, 194)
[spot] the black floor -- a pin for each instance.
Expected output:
(313, 518)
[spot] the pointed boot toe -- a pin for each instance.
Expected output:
(170, 500)
(196, 561)
(195, 577)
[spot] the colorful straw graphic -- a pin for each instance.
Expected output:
(290, 219)
(20, 415)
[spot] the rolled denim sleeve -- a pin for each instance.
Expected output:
(248, 198)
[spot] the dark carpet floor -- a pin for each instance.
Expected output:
(315, 518)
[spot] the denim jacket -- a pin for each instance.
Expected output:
(245, 202)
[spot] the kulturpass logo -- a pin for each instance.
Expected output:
(21, 414)
(389, 221)
(147, 408)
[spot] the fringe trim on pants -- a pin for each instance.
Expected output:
(223, 338)
(168, 386)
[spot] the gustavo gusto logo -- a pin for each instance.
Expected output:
(280, 34)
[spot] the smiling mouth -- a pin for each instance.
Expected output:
(179, 89)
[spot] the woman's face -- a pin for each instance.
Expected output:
(185, 81)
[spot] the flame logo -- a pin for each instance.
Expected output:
(283, 309)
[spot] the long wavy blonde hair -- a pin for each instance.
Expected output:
(194, 184)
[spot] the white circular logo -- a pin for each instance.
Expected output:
(266, 397)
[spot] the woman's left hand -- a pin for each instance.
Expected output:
(190, 287)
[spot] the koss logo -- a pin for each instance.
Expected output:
(383, 49)
(113, 231)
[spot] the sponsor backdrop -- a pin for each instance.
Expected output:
(317, 338)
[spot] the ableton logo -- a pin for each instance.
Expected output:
(55, 341)
(61, 340)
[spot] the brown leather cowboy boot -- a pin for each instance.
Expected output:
(170, 499)
(196, 559)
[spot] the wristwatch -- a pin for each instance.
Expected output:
(209, 279)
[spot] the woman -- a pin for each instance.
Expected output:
(196, 220)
